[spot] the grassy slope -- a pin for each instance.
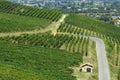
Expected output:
(12, 23)
(20, 62)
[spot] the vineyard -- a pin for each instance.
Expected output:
(76, 24)
(119, 75)
(44, 56)
(94, 25)
(67, 42)
(18, 62)
(17, 9)
(14, 23)
(71, 29)
(113, 52)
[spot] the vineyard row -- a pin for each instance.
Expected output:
(17, 9)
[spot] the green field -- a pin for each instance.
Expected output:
(14, 23)
(44, 56)
(21, 62)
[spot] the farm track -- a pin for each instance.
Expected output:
(52, 27)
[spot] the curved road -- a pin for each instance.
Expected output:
(103, 68)
(104, 73)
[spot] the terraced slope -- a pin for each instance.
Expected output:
(17, 9)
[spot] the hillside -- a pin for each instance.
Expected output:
(82, 25)
(17, 9)
(13, 23)
(40, 44)
(32, 61)
(18, 62)
(94, 25)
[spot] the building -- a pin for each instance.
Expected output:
(87, 67)
(117, 23)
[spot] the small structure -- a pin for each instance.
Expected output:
(87, 67)
(117, 23)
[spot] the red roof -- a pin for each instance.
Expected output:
(86, 64)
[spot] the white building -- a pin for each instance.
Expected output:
(117, 23)
(87, 67)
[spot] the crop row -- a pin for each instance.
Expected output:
(112, 43)
(119, 74)
(17, 9)
(67, 28)
(62, 41)
(94, 25)
(71, 29)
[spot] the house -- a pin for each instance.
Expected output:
(87, 67)
(117, 22)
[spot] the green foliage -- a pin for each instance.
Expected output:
(119, 74)
(94, 25)
(71, 43)
(68, 28)
(17, 9)
(21, 62)
(12, 23)
(82, 25)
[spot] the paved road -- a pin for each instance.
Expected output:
(103, 68)
(104, 73)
